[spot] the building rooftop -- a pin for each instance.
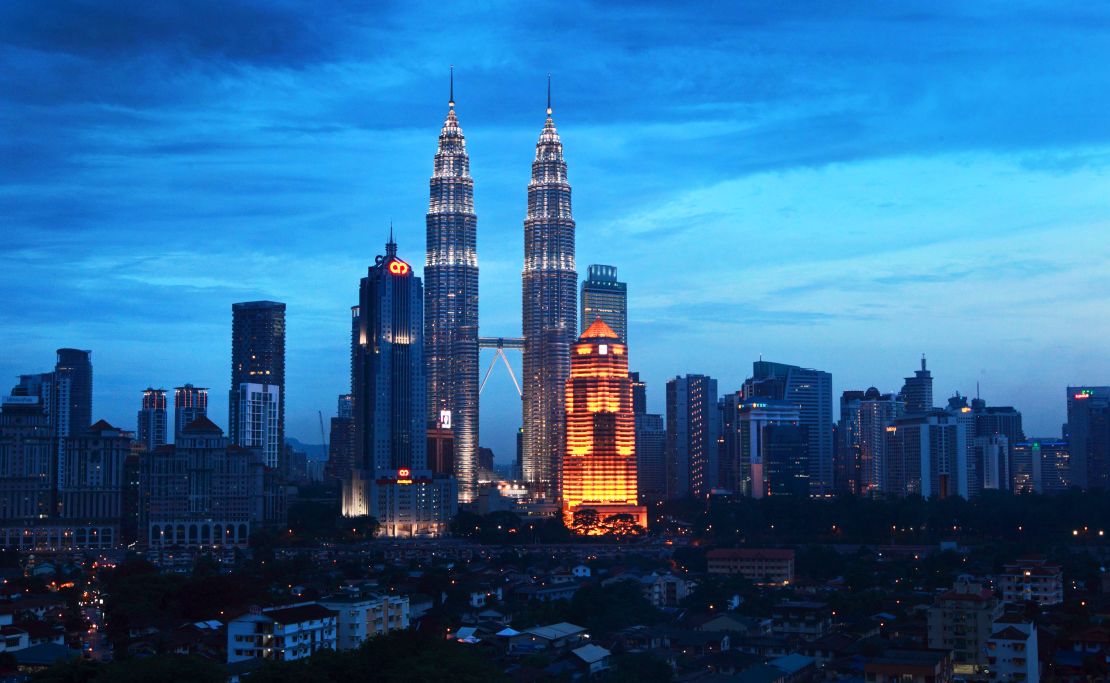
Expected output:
(599, 330)
(751, 554)
(591, 653)
(555, 631)
(299, 613)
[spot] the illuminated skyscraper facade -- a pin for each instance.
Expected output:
(605, 297)
(257, 357)
(390, 479)
(451, 302)
(599, 468)
(693, 426)
(550, 314)
(812, 391)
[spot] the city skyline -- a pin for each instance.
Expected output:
(969, 240)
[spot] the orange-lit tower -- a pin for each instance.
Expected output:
(599, 468)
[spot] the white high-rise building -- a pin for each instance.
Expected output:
(259, 411)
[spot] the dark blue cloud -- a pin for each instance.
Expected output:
(827, 166)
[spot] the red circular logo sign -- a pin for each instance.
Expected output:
(403, 473)
(398, 268)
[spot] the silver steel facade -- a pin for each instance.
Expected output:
(451, 303)
(550, 312)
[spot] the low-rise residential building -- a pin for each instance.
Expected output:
(361, 615)
(553, 637)
(1012, 651)
(801, 619)
(962, 620)
(281, 633)
(591, 659)
(764, 566)
(1032, 579)
(909, 666)
(666, 590)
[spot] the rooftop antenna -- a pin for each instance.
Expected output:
(549, 94)
(390, 246)
(451, 102)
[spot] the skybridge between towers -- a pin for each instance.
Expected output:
(500, 344)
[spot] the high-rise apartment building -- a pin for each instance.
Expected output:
(765, 445)
(639, 393)
(917, 392)
(71, 401)
(1088, 408)
(257, 357)
(989, 465)
(259, 421)
(693, 427)
(811, 390)
(605, 297)
(651, 446)
(152, 419)
(221, 501)
(58, 493)
(599, 469)
(73, 387)
(189, 403)
(846, 457)
(926, 454)
(341, 442)
(1040, 466)
(451, 302)
(864, 421)
(651, 458)
(390, 480)
(550, 315)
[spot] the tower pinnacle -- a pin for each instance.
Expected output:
(451, 101)
(549, 94)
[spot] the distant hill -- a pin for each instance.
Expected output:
(314, 451)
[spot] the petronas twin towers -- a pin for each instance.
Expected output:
(549, 306)
(451, 301)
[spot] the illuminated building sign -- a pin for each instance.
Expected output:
(445, 419)
(1083, 395)
(398, 267)
(404, 473)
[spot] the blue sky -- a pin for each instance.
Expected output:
(836, 185)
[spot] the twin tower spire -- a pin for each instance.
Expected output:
(549, 305)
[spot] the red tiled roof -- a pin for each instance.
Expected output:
(203, 425)
(100, 426)
(981, 596)
(750, 554)
(1009, 633)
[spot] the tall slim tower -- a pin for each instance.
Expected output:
(390, 480)
(550, 314)
(451, 301)
(189, 403)
(917, 392)
(257, 357)
(152, 419)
